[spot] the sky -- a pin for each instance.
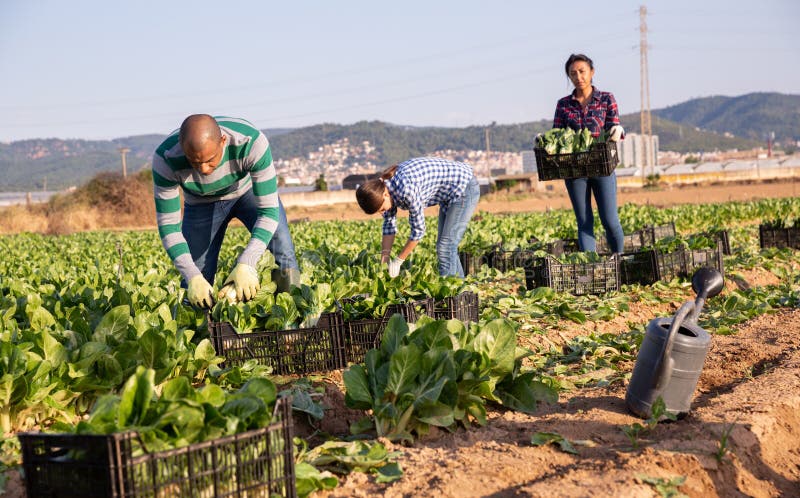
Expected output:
(100, 69)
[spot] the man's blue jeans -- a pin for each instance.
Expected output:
(453, 221)
(204, 227)
(605, 194)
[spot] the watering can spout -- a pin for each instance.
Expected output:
(706, 282)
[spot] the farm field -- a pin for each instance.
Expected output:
(79, 313)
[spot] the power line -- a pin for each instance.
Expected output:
(293, 81)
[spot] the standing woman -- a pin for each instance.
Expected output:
(588, 107)
(414, 185)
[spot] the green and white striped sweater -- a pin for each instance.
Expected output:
(246, 162)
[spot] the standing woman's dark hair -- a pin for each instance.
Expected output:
(369, 195)
(575, 58)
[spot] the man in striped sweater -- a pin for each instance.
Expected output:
(224, 167)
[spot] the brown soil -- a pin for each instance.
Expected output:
(750, 387)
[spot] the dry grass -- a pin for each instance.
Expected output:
(18, 219)
(108, 201)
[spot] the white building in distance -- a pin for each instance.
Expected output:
(633, 153)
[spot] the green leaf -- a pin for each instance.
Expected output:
(396, 330)
(114, 324)
(153, 349)
(213, 395)
(437, 414)
(404, 366)
(261, 388)
(302, 402)
(40, 318)
(389, 473)
(205, 351)
(136, 396)
(497, 340)
(177, 389)
(524, 393)
(545, 438)
(308, 479)
(357, 391)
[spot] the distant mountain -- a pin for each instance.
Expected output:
(703, 124)
(748, 116)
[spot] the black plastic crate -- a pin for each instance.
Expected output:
(362, 335)
(684, 262)
(672, 264)
(576, 278)
(720, 236)
(723, 237)
(471, 263)
(562, 246)
(774, 236)
(600, 160)
(630, 243)
(462, 307)
(289, 352)
(711, 258)
(638, 267)
(510, 260)
(254, 463)
(652, 234)
(411, 310)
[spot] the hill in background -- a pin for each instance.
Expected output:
(704, 124)
(749, 116)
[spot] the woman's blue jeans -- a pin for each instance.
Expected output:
(204, 227)
(453, 220)
(605, 194)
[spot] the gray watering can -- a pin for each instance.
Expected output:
(672, 353)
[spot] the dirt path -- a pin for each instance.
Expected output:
(515, 203)
(750, 386)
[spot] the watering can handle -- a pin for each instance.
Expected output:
(664, 367)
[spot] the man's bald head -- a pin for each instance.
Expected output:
(202, 142)
(198, 131)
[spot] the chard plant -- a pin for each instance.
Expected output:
(441, 374)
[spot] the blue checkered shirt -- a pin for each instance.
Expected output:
(422, 182)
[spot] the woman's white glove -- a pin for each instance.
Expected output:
(615, 133)
(394, 266)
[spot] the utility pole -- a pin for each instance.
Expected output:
(770, 139)
(486, 136)
(644, 114)
(123, 152)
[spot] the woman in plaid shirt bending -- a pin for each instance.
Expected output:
(414, 185)
(588, 107)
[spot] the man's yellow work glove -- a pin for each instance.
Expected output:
(200, 292)
(245, 280)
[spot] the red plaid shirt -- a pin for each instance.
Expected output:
(601, 113)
